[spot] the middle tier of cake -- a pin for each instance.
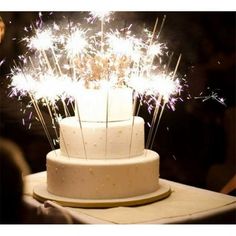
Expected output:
(100, 140)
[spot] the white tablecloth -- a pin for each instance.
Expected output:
(186, 204)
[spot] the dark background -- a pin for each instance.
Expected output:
(197, 141)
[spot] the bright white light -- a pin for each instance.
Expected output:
(139, 84)
(23, 84)
(155, 49)
(76, 43)
(158, 85)
(120, 46)
(75, 59)
(42, 40)
(101, 15)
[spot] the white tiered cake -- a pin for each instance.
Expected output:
(101, 153)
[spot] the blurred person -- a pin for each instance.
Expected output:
(12, 168)
(2, 29)
(14, 209)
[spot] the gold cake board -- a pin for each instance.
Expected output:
(41, 194)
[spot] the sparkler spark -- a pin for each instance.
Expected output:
(213, 95)
(121, 46)
(42, 40)
(158, 85)
(76, 43)
(156, 49)
(101, 15)
(22, 84)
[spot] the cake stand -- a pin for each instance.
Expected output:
(41, 194)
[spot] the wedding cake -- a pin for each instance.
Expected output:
(102, 153)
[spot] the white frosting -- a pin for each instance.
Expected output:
(101, 105)
(99, 142)
(102, 179)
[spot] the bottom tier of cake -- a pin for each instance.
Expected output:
(102, 179)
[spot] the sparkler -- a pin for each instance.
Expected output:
(82, 133)
(101, 16)
(213, 95)
(76, 43)
(27, 78)
(166, 87)
(60, 60)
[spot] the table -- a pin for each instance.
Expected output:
(186, 204)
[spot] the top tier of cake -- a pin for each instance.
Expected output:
(102, 105)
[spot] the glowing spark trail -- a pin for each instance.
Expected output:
(213, 96)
